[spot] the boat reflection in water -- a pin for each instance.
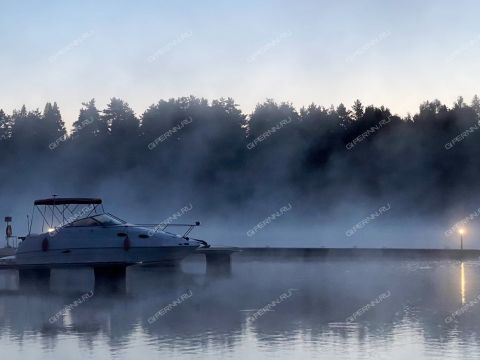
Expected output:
(215, 320)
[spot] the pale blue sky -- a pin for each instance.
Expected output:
(389, 53)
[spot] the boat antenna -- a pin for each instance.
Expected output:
(54, 196)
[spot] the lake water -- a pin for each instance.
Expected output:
(325, 309)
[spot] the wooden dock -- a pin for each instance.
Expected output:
(112, 276)
(219, 259)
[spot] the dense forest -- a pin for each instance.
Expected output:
(211, 154)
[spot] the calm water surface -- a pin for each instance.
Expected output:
(325, 309)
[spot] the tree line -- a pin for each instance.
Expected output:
(213, 153)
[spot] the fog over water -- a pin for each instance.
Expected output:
(375, 309)
(349, 176)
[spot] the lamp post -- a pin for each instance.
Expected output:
(461, 231)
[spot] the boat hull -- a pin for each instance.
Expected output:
(107, 256)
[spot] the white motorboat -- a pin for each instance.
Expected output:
(78, 232)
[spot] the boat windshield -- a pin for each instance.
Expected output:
(108, 219)
(98, 220)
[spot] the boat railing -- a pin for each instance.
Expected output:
(163, 226)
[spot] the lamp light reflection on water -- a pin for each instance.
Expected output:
(462, 282)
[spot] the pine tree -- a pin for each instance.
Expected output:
(20, 123)
(476, 105)
(343, 114)
(5, 126)
(54, 127)
(460, 103)
(357, 110)
(120, 118)
(89, 123)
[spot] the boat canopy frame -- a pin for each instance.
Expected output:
(54, 211)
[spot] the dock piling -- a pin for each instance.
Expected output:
(110, 278)
(218, 260)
